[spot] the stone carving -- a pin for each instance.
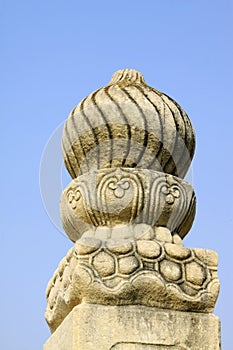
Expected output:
(128, 124)
(127, 147)
(109, 197)
(141, 270)
(128, 327)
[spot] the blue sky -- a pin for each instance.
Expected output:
(55, 53)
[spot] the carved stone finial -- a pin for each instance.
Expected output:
(127, 75)
(128, 124)
(128, 147)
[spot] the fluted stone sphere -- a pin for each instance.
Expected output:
(128, 124)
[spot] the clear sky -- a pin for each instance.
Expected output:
(54, 53)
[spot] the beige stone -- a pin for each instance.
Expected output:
(128, 271)
(99, 327)
(104, 200)
(129, 283)
(129, 124)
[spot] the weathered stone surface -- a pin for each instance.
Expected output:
(170, 270)
(146, 272)
(208, 257)
(127, 147)
(120, 246)
(87, 245)
(137, 327)
(163, 234)
(104, 200)
(195, 273)
(104, 264)
(148, 249)
(176, 251)
(128, 124)
(128, 265)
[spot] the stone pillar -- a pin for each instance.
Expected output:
(128, 282)
(134, 327)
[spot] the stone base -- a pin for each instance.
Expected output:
(99, 327)
(145, 271)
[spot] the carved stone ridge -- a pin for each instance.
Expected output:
(141, 270)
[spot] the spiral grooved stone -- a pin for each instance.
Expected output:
(129, 124)
(127, 147)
